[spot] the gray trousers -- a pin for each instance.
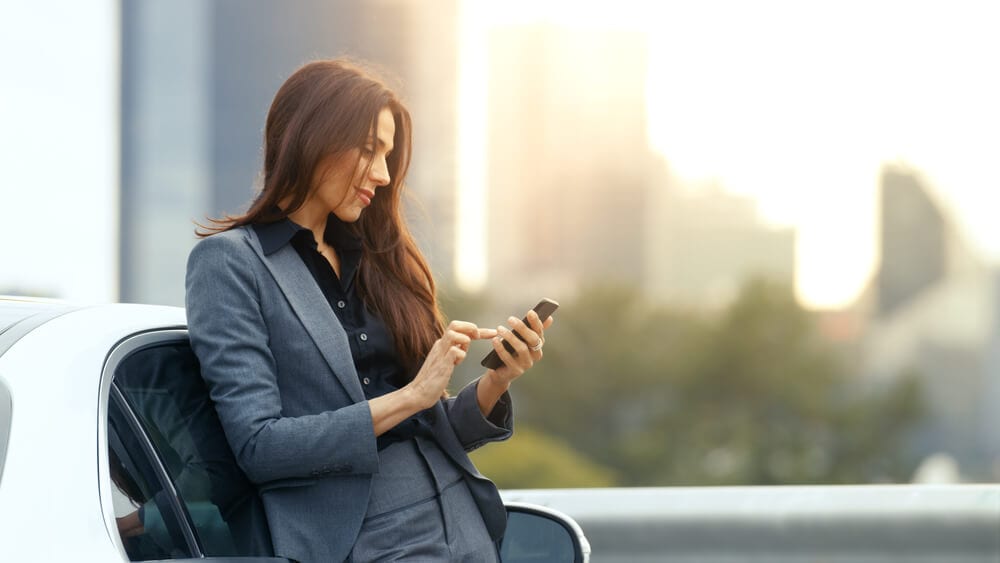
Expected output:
(421, 510)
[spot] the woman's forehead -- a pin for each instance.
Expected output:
(385, 128)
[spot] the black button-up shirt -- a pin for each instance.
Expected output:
(372, 345)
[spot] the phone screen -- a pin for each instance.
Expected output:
(544, 309)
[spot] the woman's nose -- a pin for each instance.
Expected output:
(380, 172)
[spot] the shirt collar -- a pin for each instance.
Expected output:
(275, 235)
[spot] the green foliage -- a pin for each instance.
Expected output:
(750, 395)
(531, 460)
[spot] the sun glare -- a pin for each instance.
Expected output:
(796, 104)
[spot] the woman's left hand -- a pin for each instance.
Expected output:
(528, 350)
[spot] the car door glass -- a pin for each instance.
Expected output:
(532, 538)
(164, 388)
(146, 519)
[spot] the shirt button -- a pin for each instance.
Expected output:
(364, 337)
(341, 304)
(366, 381)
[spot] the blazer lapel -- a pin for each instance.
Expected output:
(320, 322)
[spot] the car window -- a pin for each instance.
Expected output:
(532, 537)
(163, 387)
(147, 520)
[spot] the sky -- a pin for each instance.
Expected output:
(797, 104)
(800, 104)
(58, 150)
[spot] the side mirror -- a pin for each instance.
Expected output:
(538, 534)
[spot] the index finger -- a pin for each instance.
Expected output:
(470, 330)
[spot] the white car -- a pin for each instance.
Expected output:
(110, 449)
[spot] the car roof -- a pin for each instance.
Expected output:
(14, 309)
(18, 315)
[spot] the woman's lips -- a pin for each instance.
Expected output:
(365, 196)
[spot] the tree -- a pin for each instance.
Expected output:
(751, 395)
(531, 460)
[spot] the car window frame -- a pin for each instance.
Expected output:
(121, 350)
(177, 507)
(108, 392)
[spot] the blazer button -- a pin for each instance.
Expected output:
(364, 337)
(341, 304)
(366, 381)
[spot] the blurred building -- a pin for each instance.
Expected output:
(568, 158)
(197, 80)
(934, 312)
(704, 244)
(912, 243)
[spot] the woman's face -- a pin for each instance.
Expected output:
(347, 185)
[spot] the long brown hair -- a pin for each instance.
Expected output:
(327, 108)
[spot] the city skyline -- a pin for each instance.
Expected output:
(566, 186)
(936, 99)
(804, 117)
(193, 105)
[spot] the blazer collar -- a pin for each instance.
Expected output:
(303, 294)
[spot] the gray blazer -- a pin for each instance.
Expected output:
(279, 369)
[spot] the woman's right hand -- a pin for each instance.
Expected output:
(430, 382)
(447, 352)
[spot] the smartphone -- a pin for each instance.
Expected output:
(544, 309)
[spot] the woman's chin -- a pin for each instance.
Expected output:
(349, 215)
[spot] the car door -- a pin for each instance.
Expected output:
(175, 486)
(178, 493)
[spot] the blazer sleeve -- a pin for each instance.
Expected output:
(472, 428)
(229, 335)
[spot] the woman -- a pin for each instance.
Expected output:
(315, 320)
